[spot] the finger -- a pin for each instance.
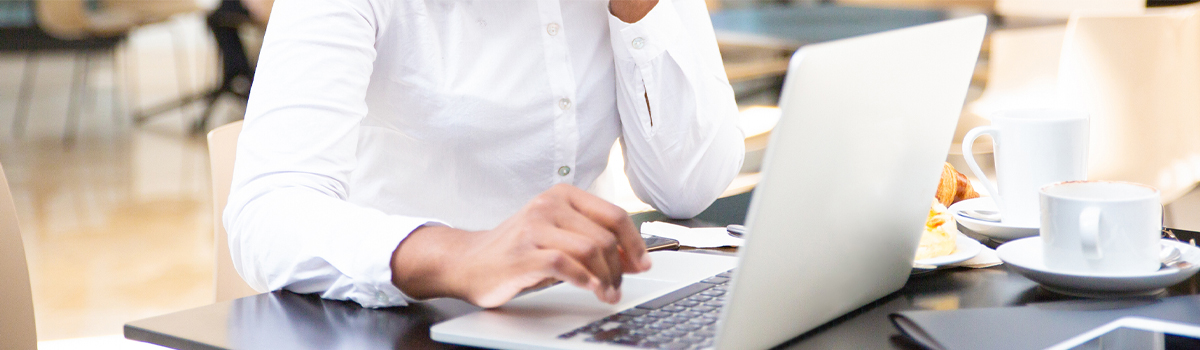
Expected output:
(582, 249)
(558, 264)
(577, 223)
(616, 220)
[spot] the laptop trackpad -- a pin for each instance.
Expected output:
(564, 307)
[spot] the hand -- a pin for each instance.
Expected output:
(563, 234)
(630, 11)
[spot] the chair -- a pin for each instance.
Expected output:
(1139, 78)
(1064, 8)
(17, 330)
(1022, 69)
(226, 23)
(222, 148)
(17, 327)
(72, 25)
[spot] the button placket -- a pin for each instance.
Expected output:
(562, 85)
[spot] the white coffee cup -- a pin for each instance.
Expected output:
(1033, 148)
(1101, 227)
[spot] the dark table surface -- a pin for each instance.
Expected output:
(285, 320)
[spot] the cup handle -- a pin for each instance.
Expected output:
(1089, 233)
(968, 146)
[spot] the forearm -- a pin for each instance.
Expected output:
(422, 265)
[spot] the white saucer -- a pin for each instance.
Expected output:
(1025, 257)
(965, 249)
(999, 231)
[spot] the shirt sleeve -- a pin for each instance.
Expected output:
(678, 116)
(290, 225)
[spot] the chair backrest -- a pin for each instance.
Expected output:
(63, 19)
(17, 328)
(1062, 9)
(1022, 70)
(222, 148)
(156, 10)
(1139, 78)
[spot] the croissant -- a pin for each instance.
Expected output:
(954, 186)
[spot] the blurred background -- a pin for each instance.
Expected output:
(104, 105)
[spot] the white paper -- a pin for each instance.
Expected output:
(701, 237)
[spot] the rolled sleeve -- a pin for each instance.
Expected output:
(648, 38)
(375, 289)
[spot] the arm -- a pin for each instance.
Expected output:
(290, 226)
(679, 128)
(288, 221)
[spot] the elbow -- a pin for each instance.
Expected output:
(685, 209)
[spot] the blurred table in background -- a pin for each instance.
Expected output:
(789, 27)
(756, 42)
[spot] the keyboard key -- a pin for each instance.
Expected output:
(659, 314)
(635, 312)
(703, 308)
(726, 274)
(716, 280)
(673, 296)
(674, 308)
(671, 333)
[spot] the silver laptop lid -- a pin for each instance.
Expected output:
(849, 176)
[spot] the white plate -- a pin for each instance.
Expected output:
(999, 231)
(965, 248)
(1025, 257)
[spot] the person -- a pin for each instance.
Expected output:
(396, 151)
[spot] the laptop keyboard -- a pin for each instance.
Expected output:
(683, 319)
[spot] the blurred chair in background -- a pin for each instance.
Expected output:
(87, 27)
(1023, 62)
(1022, 70)
(222, 149)
(1139, 78)
(227, 23)
(18, 329)
(1064, 8)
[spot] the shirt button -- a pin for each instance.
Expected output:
(381, 297)
(552, 29)
(564, 170)
(638, 43)
(564, 103)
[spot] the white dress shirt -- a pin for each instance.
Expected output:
(371, 118)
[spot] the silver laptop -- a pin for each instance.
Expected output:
(849, 175)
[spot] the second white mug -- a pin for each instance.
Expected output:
(1101, 227)
(1033, 148)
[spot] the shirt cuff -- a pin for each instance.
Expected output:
(378, 290)
(647, 38)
